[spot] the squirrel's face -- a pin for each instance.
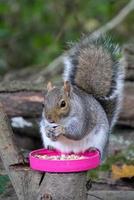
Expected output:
(57, 103)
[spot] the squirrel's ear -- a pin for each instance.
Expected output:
(49, 86)
(67, 87)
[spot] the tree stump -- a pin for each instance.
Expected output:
(63, 186)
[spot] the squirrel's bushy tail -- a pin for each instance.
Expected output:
(94, 65)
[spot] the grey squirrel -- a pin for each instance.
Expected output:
(80, 115)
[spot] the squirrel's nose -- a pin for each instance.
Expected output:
(50, 119)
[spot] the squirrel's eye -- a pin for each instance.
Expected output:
(62, 104)
(43, 105)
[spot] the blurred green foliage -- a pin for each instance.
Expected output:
(4, 180)
(34, 32)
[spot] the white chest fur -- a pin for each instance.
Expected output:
(66, 145)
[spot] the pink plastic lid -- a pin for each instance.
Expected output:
(91, 161)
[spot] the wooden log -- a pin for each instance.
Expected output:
(129, 55)
(29, 104)
(127, 112)
(130, 75)
(22, 103)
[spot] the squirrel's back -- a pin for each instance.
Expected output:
(94, 65)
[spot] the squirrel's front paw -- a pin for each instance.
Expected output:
(94, 149)
(54, 132)
(59, 130)
(50, 133)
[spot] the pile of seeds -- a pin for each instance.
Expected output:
(61, 157)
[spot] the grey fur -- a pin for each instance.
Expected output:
(96, 74)
(90, 110)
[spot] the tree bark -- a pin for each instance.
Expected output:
(11, 156)
(69, 186)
